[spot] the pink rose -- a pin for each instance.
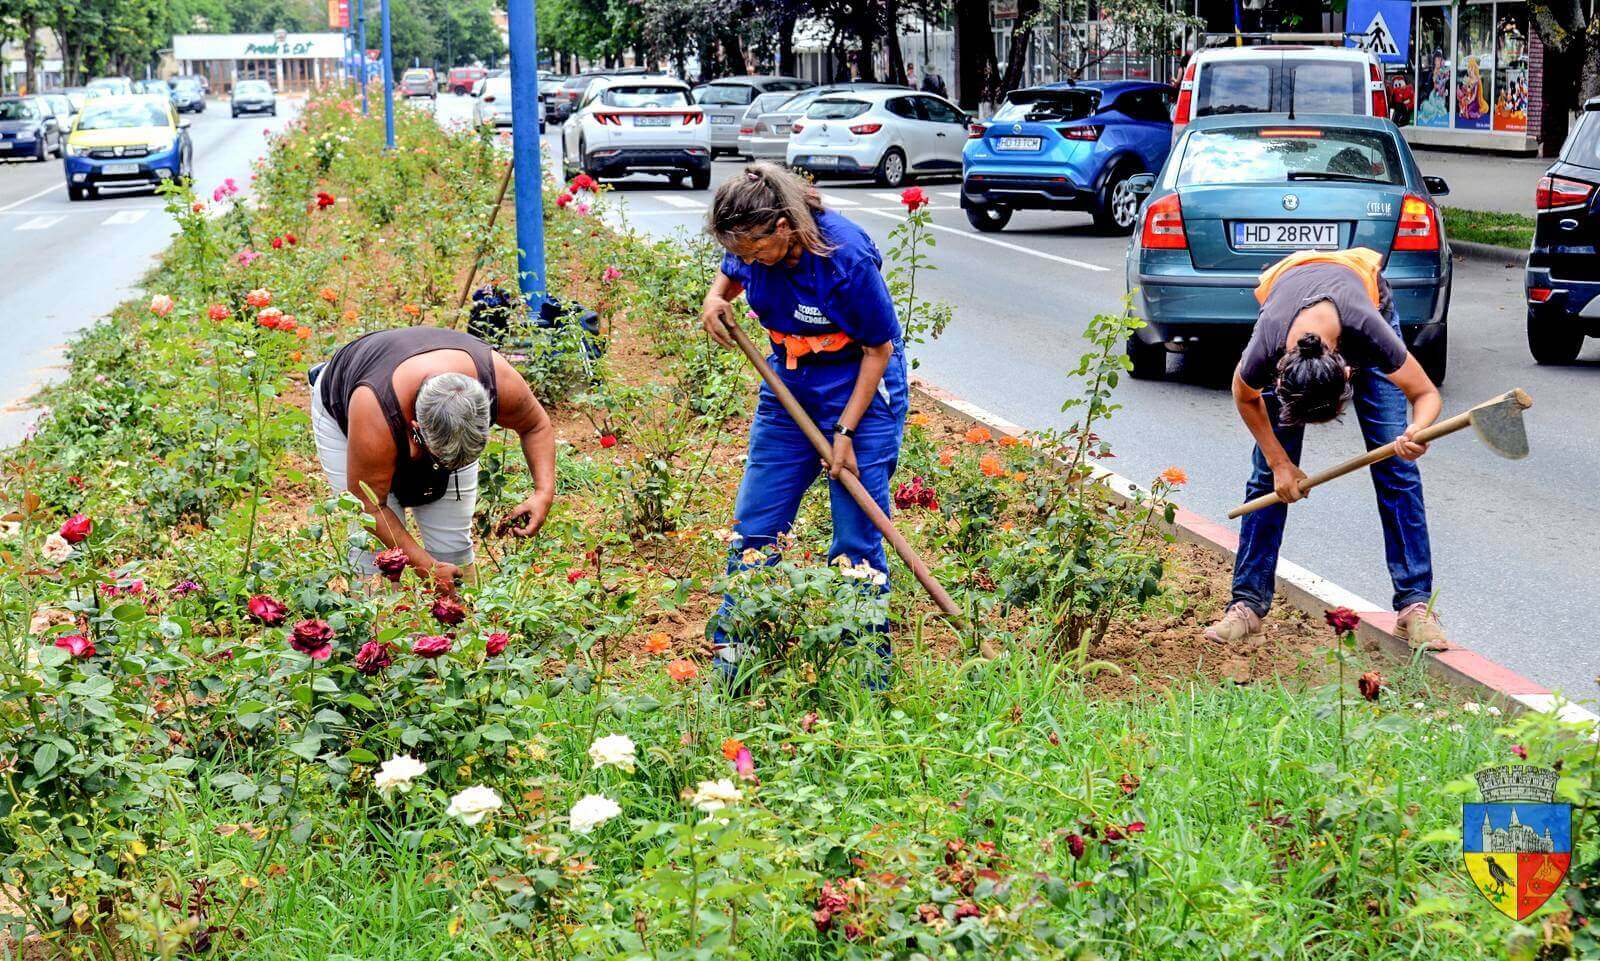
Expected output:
(161, 305)
(448, 610)
(313, 638)
(431, 645)
(373, 657)
(75, 529)
(77, 645)
(495, 644)
(267, 610)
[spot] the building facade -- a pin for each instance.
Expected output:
(289, 61)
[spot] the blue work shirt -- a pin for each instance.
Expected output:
(842, 291)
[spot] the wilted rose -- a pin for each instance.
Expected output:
(373, 657)
(1342, 619)
(391, 563)
(1370, 685)
(448, 611)
(313, 638)
(1075, 846)
(431, 645)
(76, 528)
(267, 610)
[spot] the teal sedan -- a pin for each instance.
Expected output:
(1240, 192)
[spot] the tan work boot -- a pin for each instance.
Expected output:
(1239, 627)
(1420, 628)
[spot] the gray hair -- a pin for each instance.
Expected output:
(453, 416)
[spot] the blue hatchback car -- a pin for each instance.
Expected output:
(1066, 146)
(1239, 192)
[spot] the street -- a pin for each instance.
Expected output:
(69, 263)
(1505, 534)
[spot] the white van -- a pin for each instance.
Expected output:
(1279, 78)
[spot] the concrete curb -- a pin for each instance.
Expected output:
(1508, 256)
(1462, 668)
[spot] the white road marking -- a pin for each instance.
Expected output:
(891, 198)
(833, 200)
(950, 194)
(43, 222)
(124, 217)
(48, 190)
(684, 203)
(979, 238)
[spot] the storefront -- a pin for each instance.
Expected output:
(1475, 74)
(288, 61)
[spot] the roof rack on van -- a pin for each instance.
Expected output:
(1209, 40)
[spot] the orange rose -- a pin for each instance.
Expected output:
(731, 748)
(1019, 476)
(412, 309)
(304, 333)
(947, 457)
(351, 315)
(328, 294)
(1008, 441)
(657, 643)
(978, 435)
(1175, 476)
(919, 419)
(991, 466)
(294, 355)
(682, 671)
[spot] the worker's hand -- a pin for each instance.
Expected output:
(1286, 482)
(715, 316)
(535, 509)
(1407, 449)
(445, 576)
(844, 457)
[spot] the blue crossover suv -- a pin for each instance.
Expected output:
(1066, 146)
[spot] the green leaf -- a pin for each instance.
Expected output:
(361, 755)
(44, 759)
(129, 612)
(495, 732)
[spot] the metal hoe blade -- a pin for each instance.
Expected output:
(1499, 424)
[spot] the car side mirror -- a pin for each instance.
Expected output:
(1436, 186)
(1141, 184)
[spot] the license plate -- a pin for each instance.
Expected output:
(1018, 143)
(716, 119)
(1279, 236)
(650, 121)
(824, 161)
(121, 168)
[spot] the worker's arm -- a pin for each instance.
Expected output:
(1425, 403)
(718, 308)
(874, 361)
(1286, 474)
(369, 473)
(520, 411)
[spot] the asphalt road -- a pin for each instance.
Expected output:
(65, 264)
(1509, 537)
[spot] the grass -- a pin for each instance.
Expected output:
(1489, 227)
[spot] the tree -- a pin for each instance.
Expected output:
(1571, 64)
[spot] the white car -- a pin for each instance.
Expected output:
(493, 104)
(1273, 78)
(887, 134)
(638, 124)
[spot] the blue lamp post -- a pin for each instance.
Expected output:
(524, 40)
(388, 81)
(361, 49)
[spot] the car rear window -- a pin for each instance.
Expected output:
(836, 109)
(1048, 105)
(1307, 85)
(1328, 86)
(1226, 88)
(1583, 143)
(1272, 154)
(646, 95)
(727, 95)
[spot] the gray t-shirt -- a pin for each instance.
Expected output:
(1365, 339)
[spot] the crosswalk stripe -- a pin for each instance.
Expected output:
(891, 198)
(950, 194)
(673, 200)
(124, 217)
(42, 222)
(832, 200)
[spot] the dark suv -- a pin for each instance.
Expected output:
(1563, 278)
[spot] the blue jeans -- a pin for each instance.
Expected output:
(782, 464)
(1381, 411)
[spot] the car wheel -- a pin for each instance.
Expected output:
(1434, 356)
(700, 179)
(273, 112)
(236, 115)
(892, 168)
(989, 220)
(1118, 206)
(40, 152)
(1149, 360)
(74, 192)
(1553, 341)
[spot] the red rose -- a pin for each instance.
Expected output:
(1114, 833)
(267, 611)
(608, 440)
(1370, 684)
(495, 644)
(448, 610)
(277, 243)
(1342, 619)
(392, 563)
(913, 198)
(915, 494)
(1137, 827)
(431, 645)
(1516, 749)
(563, 199)
(313, 638)
(77, 645)
(217, 312)
(373, 657)
(822, 919)
(1075, 846)
(324, 199)
(291, 239)
(575, 575)
(581, 182)
(75, 529)
(853, 932)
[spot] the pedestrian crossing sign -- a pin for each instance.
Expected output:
(1380, 27)
(1517, 845)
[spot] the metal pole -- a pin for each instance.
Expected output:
(524, 42)
(388, 81)
(361, 49)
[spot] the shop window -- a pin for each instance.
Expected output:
(1511, 54)
(1434, 66)
(1475, 66)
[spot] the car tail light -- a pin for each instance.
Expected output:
(1163, 225)
(746, 131)
(1539, 295)
(1180, 113)
(865, 129)
(1380, 97)
(489, 98)
(976, 131)
(1554, 192)
(693, 118)
(1080, 133)
(1419, 225)
(604, 118)
(797, 128)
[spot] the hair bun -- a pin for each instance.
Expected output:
(1310, 346)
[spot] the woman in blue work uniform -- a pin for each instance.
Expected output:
(813, 279)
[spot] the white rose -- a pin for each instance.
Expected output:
(56, 548)
(1471, 707)
(398, 772)
(616, 750)
(591, 811)
(713, 796)
(473, 804)
(1492, 711)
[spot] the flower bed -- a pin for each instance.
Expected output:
(221, 739)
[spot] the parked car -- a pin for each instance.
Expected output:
(1239, 192)
(188, 95)
(766, 103)
(1563, 275)
(549, 87)
(726, 101)
(769, 135)
(152, 87)
(254, 96)
(124, 141)
(477, 85)
(1066, 146)
(494, 104)
(61, 105)
(199, 79)
(78, 97)
(110, 85)
(29, 128)
(888, 135)
(419, 82)
(461, 80)
(564, 103)
(1273, 78)
(638, 124)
